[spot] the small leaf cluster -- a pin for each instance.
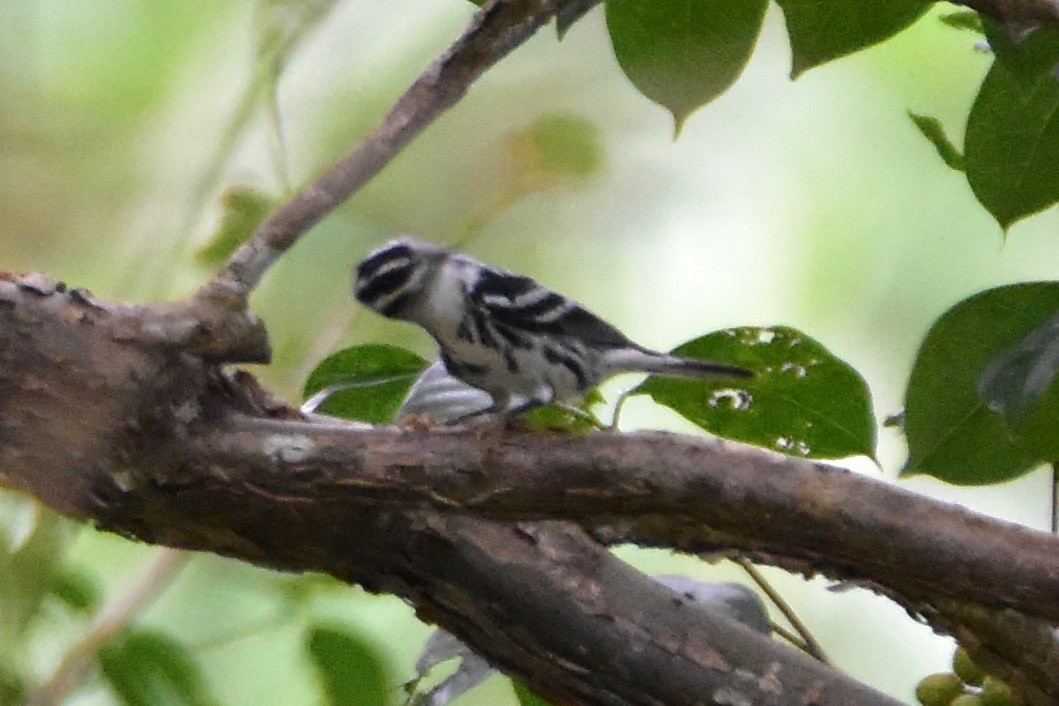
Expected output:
(965, 685)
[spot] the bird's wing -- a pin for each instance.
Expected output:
(521, 304)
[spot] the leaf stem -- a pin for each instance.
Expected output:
(812, 646)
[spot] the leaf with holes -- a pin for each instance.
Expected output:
(823, 30)
(952, 433)
(802, 401)
(365, 383)
(682, 54)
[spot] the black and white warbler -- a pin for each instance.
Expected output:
(504, 333)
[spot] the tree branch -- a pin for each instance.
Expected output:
(103, 421)
(496, 30)
(654, 489)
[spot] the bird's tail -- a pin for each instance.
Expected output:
(648, 361)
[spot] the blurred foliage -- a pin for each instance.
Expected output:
(148, 668)
(244, 210)
(352, 672)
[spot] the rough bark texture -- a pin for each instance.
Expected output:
(102, 417)
(104, 421)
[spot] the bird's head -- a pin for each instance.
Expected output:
(389, 279)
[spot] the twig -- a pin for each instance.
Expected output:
(108, 622)
(790, 637)
(495, 31)
(812, 646)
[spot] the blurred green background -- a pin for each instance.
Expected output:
(812, 203)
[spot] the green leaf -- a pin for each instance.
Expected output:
(1026, 51)
(526, 696)
(12, 686)
(147, 668)
(27, 572)
(823, 30)
(803, 401)
(375, 379)
(931, 129)
(76, 590)
(964, 19)
(1018, 378)
(952, 434)
(682, 54)
(244, 210)
(351, 670)
(555, 418)
(1012, 144)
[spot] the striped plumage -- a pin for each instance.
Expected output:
(504, 333)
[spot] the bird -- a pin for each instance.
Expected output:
(505, 334)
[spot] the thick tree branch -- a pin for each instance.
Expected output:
(496, 30)
(103, 421)
(659, 489)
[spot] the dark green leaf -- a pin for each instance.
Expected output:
(374, 378)
(12, 687)
(952, 434)
(350, 669)
(76, 590)
(147, 668)
(823, 30)
(932, 130)
(683, 53)
(244, 210)
(1012, 145)
(569, 13)
(1019, 377)
(526, 696)
(802, 401)
(1026, 51)
(964, 19)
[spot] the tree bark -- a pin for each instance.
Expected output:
(103, 417)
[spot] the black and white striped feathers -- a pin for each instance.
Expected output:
(504, 333)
